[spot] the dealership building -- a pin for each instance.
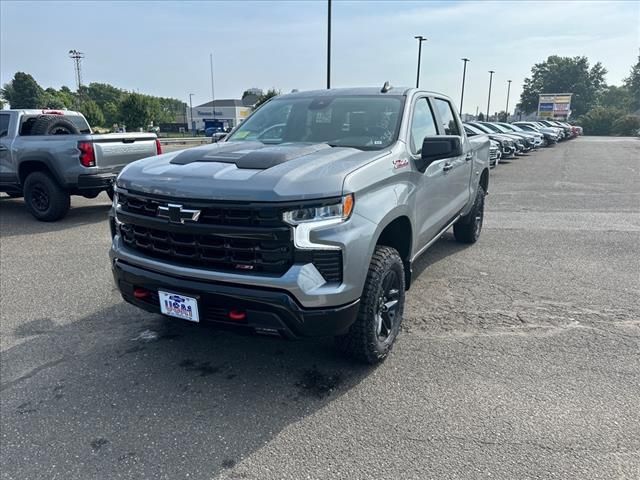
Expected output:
(219, 113)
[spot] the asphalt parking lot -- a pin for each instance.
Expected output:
(520, 355)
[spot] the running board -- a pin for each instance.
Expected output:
(436, 238)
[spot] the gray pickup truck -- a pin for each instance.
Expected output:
(306, 220)
(48, 155)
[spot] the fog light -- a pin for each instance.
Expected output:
(141, 293)
(237, 315)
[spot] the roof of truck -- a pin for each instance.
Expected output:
(41, 111)
(356, 91)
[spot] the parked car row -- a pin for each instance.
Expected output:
(509, 140)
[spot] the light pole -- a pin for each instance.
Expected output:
(328, 44)
(213, 96)
(508, 91)
(491, 72)
(420, 39)
(191, 112)
(464, 74)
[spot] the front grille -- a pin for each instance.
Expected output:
(493, 153)
(238, 238)
(220, 214)
(210, 251)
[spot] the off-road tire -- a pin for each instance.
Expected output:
(44, 198)
(363, 341)
(53, 125)
(468, 228)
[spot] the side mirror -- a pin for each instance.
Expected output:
(439, 147)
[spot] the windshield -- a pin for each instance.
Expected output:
(498, 128)
(364, 122)
(511, 128)
(493, 127)
(482, 128)
(473, 129)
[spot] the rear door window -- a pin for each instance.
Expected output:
(4, 124)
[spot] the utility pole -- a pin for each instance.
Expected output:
(193, 127)
(508, 91)
(491, 72)
(420, 39)
(213, 97)
(77, 57)
(328, 44)
(464, 74)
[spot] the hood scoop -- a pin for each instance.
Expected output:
(250, 155)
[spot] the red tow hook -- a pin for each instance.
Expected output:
(141, 293)
(237, 315)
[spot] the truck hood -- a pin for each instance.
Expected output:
(247, 171)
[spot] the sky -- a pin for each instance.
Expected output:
(162, 48)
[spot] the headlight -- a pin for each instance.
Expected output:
(306, 220)
(339, 211)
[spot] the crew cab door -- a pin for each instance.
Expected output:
(7, 170)
(431, 207)
(457, 169)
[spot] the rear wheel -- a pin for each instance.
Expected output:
(44, 198)
(372, 335)
(467, 229)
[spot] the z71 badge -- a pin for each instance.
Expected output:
(400, 163)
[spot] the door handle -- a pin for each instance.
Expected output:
(3, 148)
(447, 167)
(468, 156)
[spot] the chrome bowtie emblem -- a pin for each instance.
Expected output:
(177, 214)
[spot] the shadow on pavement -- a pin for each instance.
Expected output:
(444, 247)
(123, 392)
(16, 220)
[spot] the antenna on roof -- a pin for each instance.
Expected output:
(386, 87)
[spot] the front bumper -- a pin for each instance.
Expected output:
(266, 311)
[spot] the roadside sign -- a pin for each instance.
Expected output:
(554, 105)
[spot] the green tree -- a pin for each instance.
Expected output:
(626, 126)
(135, 111)
(616, 97)
(481, 117)
(51, 99)
(599, 120)
(564, 75)
(111, 112)
(92, 113)
(272, 92)
(102, 93)
(22, 92)
(632, 82)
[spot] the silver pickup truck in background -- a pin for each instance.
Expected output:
(47, 156)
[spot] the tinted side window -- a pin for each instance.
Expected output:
(422, 125)
(4, 123)
(447, 117)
